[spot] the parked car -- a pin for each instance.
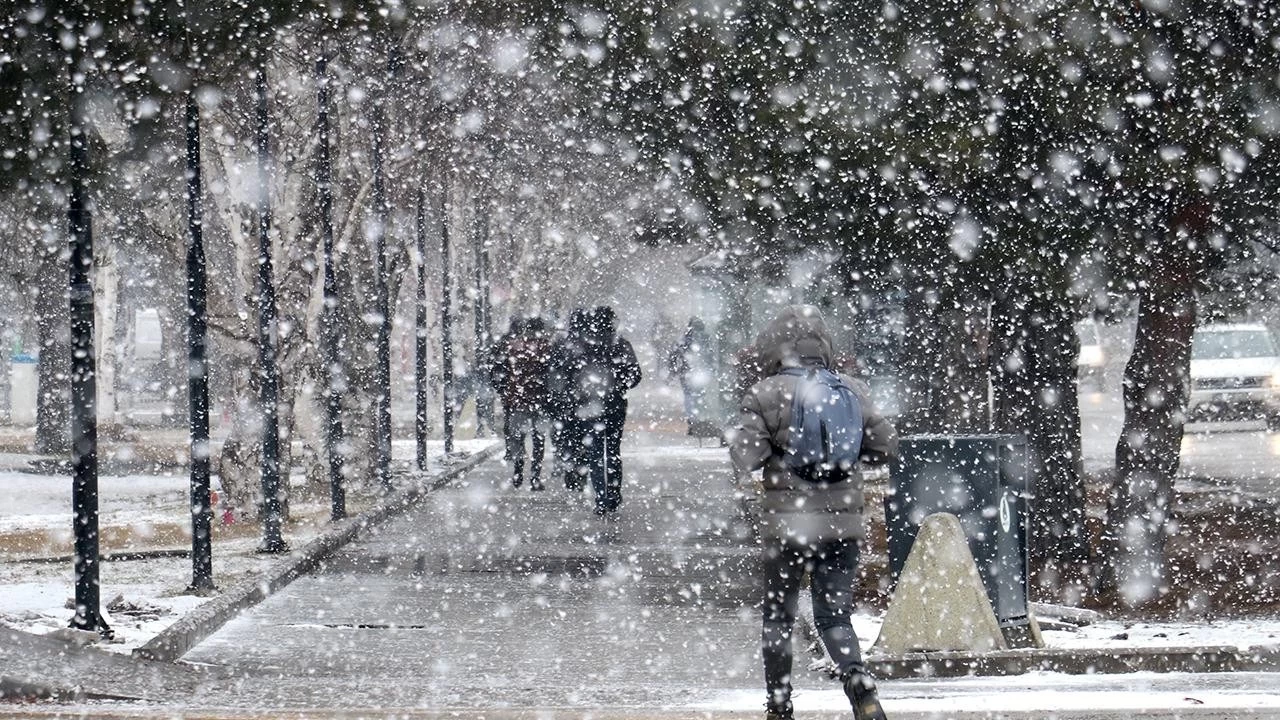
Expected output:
(1091, 363)
(1235, 373)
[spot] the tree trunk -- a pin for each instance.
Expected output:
(1035, 394)
(1156, 386)
(944, 363)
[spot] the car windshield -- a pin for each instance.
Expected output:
(1220, 344)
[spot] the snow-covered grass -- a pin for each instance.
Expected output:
(140, 597)
(29, 501)
(139, 514)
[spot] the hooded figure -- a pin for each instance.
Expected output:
(566, 430)
(607, 371)
(692, 361)
(806, 525)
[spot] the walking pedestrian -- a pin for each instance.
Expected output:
(692, 362)
(608, 370)
(519, 374)
(810, 430)
(567, 353)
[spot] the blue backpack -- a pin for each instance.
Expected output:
(826, 426)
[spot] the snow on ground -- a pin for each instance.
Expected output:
(29, 501)
(1046, 692)
(1241, 634)
(140, 597)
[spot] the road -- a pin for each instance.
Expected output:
(1243, 455)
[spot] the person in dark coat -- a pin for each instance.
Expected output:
(566, 429)
(519, 373)
(806, 525)
(608, 370)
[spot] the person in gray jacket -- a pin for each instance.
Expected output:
(806, 525)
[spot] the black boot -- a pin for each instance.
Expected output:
(780, 712)
(861, 691)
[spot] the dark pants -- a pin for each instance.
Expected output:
(518, 425)
(832, 567)
(566, 433)
(601, 460)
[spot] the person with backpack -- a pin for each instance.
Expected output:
(607, 370)
(519, 374)
(810, 430)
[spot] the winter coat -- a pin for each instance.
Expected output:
(618, 354)
(792, 509)
(520, 370)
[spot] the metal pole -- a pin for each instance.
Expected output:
(446, 329)
(329, 324)
(269, 391)
(421, 426)
(486, 293)
(478, 369)
(84, 420)
(382, 209)
(486, 304)
(197, 365)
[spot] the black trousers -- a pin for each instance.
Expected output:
(832, 569)
(601, 460)
(519, 424)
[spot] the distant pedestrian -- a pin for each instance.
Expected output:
(747, 370)
(519, 372)
(567, 430)
(810, 430)
(608, 370)
(692, 361)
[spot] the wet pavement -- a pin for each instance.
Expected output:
(486, 595)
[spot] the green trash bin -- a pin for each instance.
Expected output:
(982, 480)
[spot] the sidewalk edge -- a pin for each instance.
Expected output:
(1078, 661)
(176, 640)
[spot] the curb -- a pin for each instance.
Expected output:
(123, 556)
(176, 640)
(1078, 661)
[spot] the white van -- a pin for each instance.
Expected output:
(1235, 373)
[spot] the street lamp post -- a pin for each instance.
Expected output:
(84, 421)
(382, 209)
(421, 425)
(197, 360)
(446, 329)
(330, 336)
(269, 377)
(484, 401)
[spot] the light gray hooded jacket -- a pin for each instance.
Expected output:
(793, 509)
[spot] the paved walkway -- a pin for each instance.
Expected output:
(489, 596)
